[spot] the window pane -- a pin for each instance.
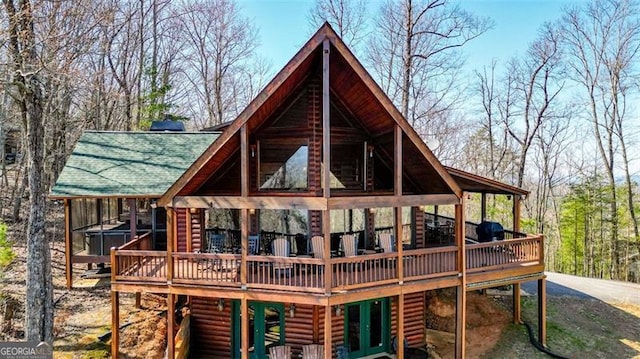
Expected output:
(283, 165)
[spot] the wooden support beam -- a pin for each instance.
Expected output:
(326, 121)
(171, 234)
(516, 213)
(516, 304)
(263, 202)
(328, 271)
(244, 161)
(244, 242)
(189, 231)
(461, 293)
(316, 324)
(398, 235)
(542, 311)
(461, 319)
(397, 168)
(400, 335)
(133, 216)
(244, 328)
(138, 300)
(391, 200)
(68, 246)
(327, 332)
(115, 323)
(171, 309)
(483, 206)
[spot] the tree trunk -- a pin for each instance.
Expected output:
(39, 298)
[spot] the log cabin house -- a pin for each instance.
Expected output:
(316, 199)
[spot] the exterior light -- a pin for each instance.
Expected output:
(220, 304)
(292, 310)
(338, 310)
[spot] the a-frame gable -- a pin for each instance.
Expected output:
(276, 92)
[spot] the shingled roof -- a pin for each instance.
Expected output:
(128, 164)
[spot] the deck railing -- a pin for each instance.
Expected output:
(285, 273)
(430, 262)
(134, 262)
(206, 268)
(470, 227)
(364, 270)
(305, 274)
(502, 254)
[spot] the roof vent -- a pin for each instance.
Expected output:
(167, 125)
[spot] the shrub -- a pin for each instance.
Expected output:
(6, 252)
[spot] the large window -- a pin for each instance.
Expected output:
(283, 165)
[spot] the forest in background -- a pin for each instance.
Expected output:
(558, 120)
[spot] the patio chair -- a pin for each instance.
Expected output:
(349, 244)
(312, 351)
(281, 248)
(254, 244)
(317, 246)
(280, 352)
(216, 243)
(387, 242)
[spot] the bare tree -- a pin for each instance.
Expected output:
(603, 39)
(415, 55)
(347, 17)
(536, 83)
(27, 81)
(220, 46)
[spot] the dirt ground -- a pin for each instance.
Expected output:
(486, 319)
(83, 314)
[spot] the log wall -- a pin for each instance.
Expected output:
(414, 320)
(210, 328)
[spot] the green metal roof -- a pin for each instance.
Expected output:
(120, 164)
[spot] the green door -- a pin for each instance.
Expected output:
(366, 327)
(266, 328)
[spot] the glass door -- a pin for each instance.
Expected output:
(266, 328)
(367, 328)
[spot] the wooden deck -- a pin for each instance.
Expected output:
(493, 260)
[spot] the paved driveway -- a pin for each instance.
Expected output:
(609, 291)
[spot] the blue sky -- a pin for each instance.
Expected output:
(284, 26)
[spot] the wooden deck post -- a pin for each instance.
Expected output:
(244, 328)
(327, 332)
(244, 243)
(115, 323)
(483, 206)
(68, 247)
(516, 303)
(328, 271)
(171, 234)
(397, 174)
(133, 217)
(516, 213)
(542, 311)
(461, 292)
(171, 309)
(461, 319)
(400, 334)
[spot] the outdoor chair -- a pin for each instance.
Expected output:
(312, 351)
(253, 245)
(349, 244)
(216, 243)
(280, 352)
(387, 242)
(281, 248)
(317, 245)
